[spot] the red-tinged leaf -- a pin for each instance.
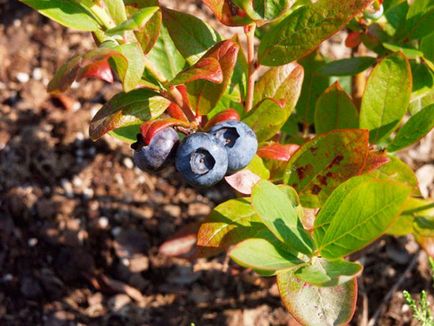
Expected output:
(281, 83)
(353, 40)
(375, 160)
(229, 114)
(204, 95)
(326, 161)
(127, 108)
(313, 305)
(243, 181)
(93, 63)
(229, 223)
(278, 152)
(205, 69)
(305, 29)
(99, 70)
(176, 112)
(151, 128)
(148, 35)
(228, 13)
(182, 243)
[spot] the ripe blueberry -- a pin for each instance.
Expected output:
(202, 160)
(155, 155)
(240, 143)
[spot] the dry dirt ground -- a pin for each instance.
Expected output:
(80, 227)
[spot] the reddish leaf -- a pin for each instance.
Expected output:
(92, 64)
(374, 160)
(228, 13)
(205, 95)
(207, 68)
(176, 112)
(150, 128)
(313, 305)
(229, 114)
(243, 181)
(99, 70)
(278, 152)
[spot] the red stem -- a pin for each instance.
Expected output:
(250, 36)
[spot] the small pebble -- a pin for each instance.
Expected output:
(76, 106)
(23, 77)
(32, 242)
(37, 74)
(103, 222)
(128, 163)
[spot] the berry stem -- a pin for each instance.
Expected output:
(250, 36)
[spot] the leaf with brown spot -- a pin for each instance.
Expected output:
(326, 161)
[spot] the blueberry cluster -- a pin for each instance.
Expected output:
(203, 159)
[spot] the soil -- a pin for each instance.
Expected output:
(80, 227)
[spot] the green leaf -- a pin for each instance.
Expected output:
(264, 255)
(414, 129)
(356, 214)
(335, 110)
(423, 81)
(148, 35)
(311, 305)
(422, 101)
(130, 71)
(413, 208)
(386, 97)
(427, 47)
(263, 11)
(397, 170)
(127, 133)
(420, 19)
(314, 85)
(347, 67)
(282, 83)
(137, 22)
(66, 13)
(279, 214)
(229, 223)
(258, 167)
(305, 28)
(326, 161)
(192, 36)
(266, 118)
(204, 95)
(410, 53)
(125, 108)
(117, 11)
(321, 272)
(164, 59)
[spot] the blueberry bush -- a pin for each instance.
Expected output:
(310, 145)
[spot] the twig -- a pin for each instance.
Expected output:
(250, 35)
(395, 287)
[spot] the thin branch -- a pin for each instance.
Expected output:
(250, 35)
